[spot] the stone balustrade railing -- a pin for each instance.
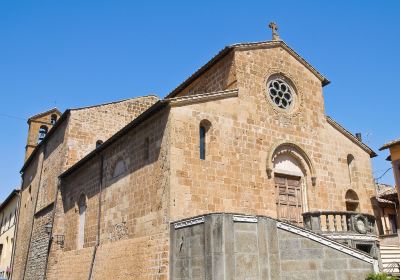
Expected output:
(339, 221)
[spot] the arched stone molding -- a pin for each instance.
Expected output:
(295, 151)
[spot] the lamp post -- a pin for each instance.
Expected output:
(48, 227)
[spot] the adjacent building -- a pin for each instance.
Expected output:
(387, 213)
(394, 149)
(8, 214)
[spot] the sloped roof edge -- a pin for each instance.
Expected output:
(61, 120)
(349, 135)
(221, 54)
(390, 144)
(53, 110)
(13, 193)
(156, 107)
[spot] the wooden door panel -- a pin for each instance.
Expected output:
(288, 199)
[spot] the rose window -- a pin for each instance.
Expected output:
(280, 93)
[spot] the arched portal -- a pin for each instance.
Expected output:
(290, 167)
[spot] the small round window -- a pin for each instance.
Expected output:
(280, 93)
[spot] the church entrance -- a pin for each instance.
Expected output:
(289, 199)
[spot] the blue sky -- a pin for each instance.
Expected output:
(78, 53)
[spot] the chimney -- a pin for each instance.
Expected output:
(358, 136)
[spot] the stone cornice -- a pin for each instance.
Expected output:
(202, 97)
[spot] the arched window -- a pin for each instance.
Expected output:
(119, 168)
(203, 129)
(351, 167)
(53, 119)
(146, 148)
(202, 142)
(42, 133)
(352, 201)
(98, 143)
(82, 219)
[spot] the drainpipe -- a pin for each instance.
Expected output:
(98, 218)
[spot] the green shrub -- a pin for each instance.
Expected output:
(379, 276)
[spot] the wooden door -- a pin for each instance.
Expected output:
(288, 199)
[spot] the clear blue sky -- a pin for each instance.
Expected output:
(71, 53)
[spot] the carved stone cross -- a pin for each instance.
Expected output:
(274, 28)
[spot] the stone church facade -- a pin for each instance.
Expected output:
(246, 134)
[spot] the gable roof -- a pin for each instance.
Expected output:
(48, 112)
(350, 136)
(63, 117)
(243, 46)
(390, 144)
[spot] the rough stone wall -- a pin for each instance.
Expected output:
(99, 123)
(244, 130)
(35, 266)
(73, 140)
(28, 194)
(31, 250)
(219, 77)
(222, 248)
(134, 215)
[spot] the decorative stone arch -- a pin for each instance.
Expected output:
(297, 153)
(352, 200)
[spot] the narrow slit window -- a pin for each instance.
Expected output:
(146, 149)
(81, 222)
(202, 142)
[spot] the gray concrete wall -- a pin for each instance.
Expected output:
(219, 246)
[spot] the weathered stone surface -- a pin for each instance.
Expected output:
(161, 179)
(288, 255)
(74, 138)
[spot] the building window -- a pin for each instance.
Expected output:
(205, 126)
(202, 142)
(393, 223)
(82, 219)
(280, 93)
(99, 143)
(119, 168)
(42, 133)
(351, 167)
(352, 201)
(53, 119)
(146, 148)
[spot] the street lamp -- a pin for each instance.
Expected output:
(48, 227)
